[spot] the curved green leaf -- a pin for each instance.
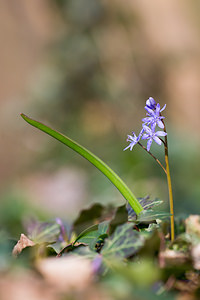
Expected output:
(97, 162)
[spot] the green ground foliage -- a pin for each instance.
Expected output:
(108, 252)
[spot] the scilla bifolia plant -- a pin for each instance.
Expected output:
(97, 162)
(149, 133)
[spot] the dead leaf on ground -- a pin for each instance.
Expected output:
(23, 285)
(173, 258)
(21, 244)
(66, 273)
(195, 252)
(193, 224)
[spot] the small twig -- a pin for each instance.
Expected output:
(162, 141)
(157, 160)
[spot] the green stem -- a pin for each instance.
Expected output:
(171, 203)
(97, 162)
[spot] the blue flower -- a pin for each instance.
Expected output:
(133, 139)
(151, 136)
(151, 103)
(154, 116)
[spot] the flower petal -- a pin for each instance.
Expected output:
(157, 140)
(161, 133)
(158, 109)
(140, 134)
(147, 129)
(149, 110)
(153, 126)
(151, 103)
(163, 107)
(149, 144)
(147, 119)
(160, 123)
(145, 136)
(127, 147)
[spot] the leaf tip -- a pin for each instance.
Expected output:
(25, 117)
(22, 115)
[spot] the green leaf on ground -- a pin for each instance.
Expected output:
(44, 232)
(88, 217)
(151, 215)
(58, 246)
(85, 251)
(91, 235)
(120, 217)
(88, 235)
(146, 203)
(124, 242)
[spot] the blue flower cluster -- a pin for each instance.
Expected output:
(148, 132)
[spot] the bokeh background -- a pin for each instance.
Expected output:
(86, 68)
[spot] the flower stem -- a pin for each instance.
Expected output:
(171, 204)
(156, 159)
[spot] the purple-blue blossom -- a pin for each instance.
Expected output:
(151, 103)
(151, 136)
(154, 116)
(133, 139)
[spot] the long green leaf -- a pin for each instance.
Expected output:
(97, 162)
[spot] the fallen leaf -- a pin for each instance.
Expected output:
(195, 252)
(24, 284)
(173, 258)
(21, 244)
(66, 273)
(193, 225)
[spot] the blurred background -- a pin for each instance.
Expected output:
(86, 68)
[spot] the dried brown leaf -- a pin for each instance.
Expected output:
(23, 285)
(195, 252)
(193, 225)
(66, 273)
(173, 258)
(23, 242)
